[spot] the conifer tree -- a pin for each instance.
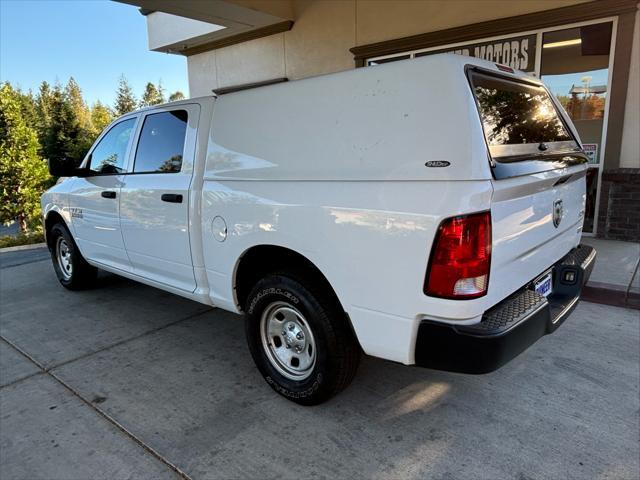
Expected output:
(63, 139)
(125, 99)
(175, 96)
(43, 109)
(80, 109)
(151, 96)
(101, 116)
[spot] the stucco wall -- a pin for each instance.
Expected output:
(379, 20)
(325, 30)
(630, 153)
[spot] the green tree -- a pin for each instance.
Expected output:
(87, 133)
(23, 174)
(80, 109)
(43, 100)
(175, 96)
(101, 116)
(125, 99)
(161, 92)
(64, 137)
(28, 108)
(152, 95)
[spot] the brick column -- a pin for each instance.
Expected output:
(619, 211)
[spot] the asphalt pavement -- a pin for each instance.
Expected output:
(126, 381)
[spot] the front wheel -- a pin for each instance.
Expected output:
(299, 339)
(71, 268)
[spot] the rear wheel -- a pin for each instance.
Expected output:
(71, 268)
(300, 339)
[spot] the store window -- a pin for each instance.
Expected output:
(575, 67)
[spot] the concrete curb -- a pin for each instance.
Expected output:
(23, 247)
(610, 295)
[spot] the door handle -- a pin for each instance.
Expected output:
(171, 197)
(108, 194)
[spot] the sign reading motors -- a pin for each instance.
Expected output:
(516, 52)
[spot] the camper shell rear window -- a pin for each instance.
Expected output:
(519, 119)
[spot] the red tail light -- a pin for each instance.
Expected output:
(460, 258)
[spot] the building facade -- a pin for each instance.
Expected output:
(586, 51)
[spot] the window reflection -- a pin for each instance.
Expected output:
(515, 113)
(108, 156)
(161, 143)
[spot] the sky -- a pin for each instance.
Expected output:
(94, 41)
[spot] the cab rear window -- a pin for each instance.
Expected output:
(518, 115)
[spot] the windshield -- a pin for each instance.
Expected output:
(519, 118)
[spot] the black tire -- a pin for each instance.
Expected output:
(81, 275)
(337, 352)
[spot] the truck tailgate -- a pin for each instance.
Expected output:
(536, 220)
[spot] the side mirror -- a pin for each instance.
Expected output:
(63, 167)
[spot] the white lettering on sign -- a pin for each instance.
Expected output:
(513, 52)
(525, 54)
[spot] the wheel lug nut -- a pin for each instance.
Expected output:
(299, 336)
(292, 327)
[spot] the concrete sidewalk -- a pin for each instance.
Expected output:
(616, 262)
(613, 272)
(125, 381)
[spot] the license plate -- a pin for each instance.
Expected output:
(544, 285)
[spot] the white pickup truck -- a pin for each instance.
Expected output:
(427, 212)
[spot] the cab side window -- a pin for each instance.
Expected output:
(161, 143)
(109, 155)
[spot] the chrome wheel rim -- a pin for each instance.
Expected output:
(63, 256)
(288, 341)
